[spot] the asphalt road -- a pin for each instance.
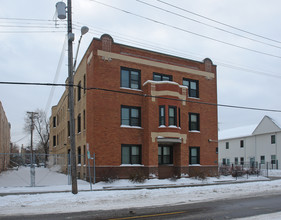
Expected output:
(221, 209)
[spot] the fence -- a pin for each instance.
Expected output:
(247, 168)
(41, 169)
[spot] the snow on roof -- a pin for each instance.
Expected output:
(277, 121)
(242, 131)
(163, 82)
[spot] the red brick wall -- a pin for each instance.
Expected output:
(104, 133)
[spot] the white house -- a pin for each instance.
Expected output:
(259, 143)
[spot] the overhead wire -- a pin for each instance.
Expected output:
(56, 76)
(178, 52)
(187, 31)
(139, 94)
(202, 23)
(218, 22)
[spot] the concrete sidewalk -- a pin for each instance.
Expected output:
(138, 187)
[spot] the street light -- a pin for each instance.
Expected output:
(84, 30)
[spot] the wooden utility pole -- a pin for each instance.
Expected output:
(32, 168)
(71, 99)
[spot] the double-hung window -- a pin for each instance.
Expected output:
(54, 140)
(194, 155)
(54, 122)
(227, 145)
(193, 87)
(131, 116)
(131, 154)
(79, 123)
(79, 91)
(273, 159)
(162, 77)
(172, 115)
(162, 115)
(272, 139)
(194, 122)
(262, 159)
(79, 155)
(165, 154)
(130, 78)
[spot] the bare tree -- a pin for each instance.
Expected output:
(41, 126)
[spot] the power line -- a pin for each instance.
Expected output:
(161, 48)
(20, 139)
(218, 22)
(142, 95)
(186, 31)
(29, 32)
(56, 75)
(217, 28)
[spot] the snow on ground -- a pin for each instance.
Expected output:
(272, 216)
(116, 199)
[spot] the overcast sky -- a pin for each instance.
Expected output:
(248, 56)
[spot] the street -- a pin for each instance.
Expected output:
(221, 209)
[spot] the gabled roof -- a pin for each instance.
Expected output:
(266, 125)
(237, 132)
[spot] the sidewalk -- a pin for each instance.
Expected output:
(40, 189)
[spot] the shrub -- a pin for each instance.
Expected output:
(137, 177)
(109, 176)
(174, 178)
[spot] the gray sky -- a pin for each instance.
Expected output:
(248, 69)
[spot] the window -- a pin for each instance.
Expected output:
(179, 117)
(223, 161)
(194, 155)
(131, 154)
(262, 159)
(193, 87)
(57, 140)
(194, 121)
(84, 119)
(84, 155)
(131, 116)
(68, 156)
(273, 159)
(54, 122)
(242, 160)
(272, 139)
(242, 143)
(236, 160)
(79, 155)
(227, 162)
(162, 115)
(79, 123)
(84, 83)
(165, 154)
(173, 115)
(162, 77)
(130, 78)
(68, 128)
(79, 91)
(217, 150)
(226, 145)
(54, 140)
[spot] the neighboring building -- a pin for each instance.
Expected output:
(5, 140)
(134, 115)
(252, 144)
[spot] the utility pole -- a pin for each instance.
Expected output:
(61, 10)
(71, 99)
(32, 168)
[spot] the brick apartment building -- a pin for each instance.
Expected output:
(140, 112)
(5, 140)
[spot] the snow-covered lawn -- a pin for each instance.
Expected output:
(116, 199)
